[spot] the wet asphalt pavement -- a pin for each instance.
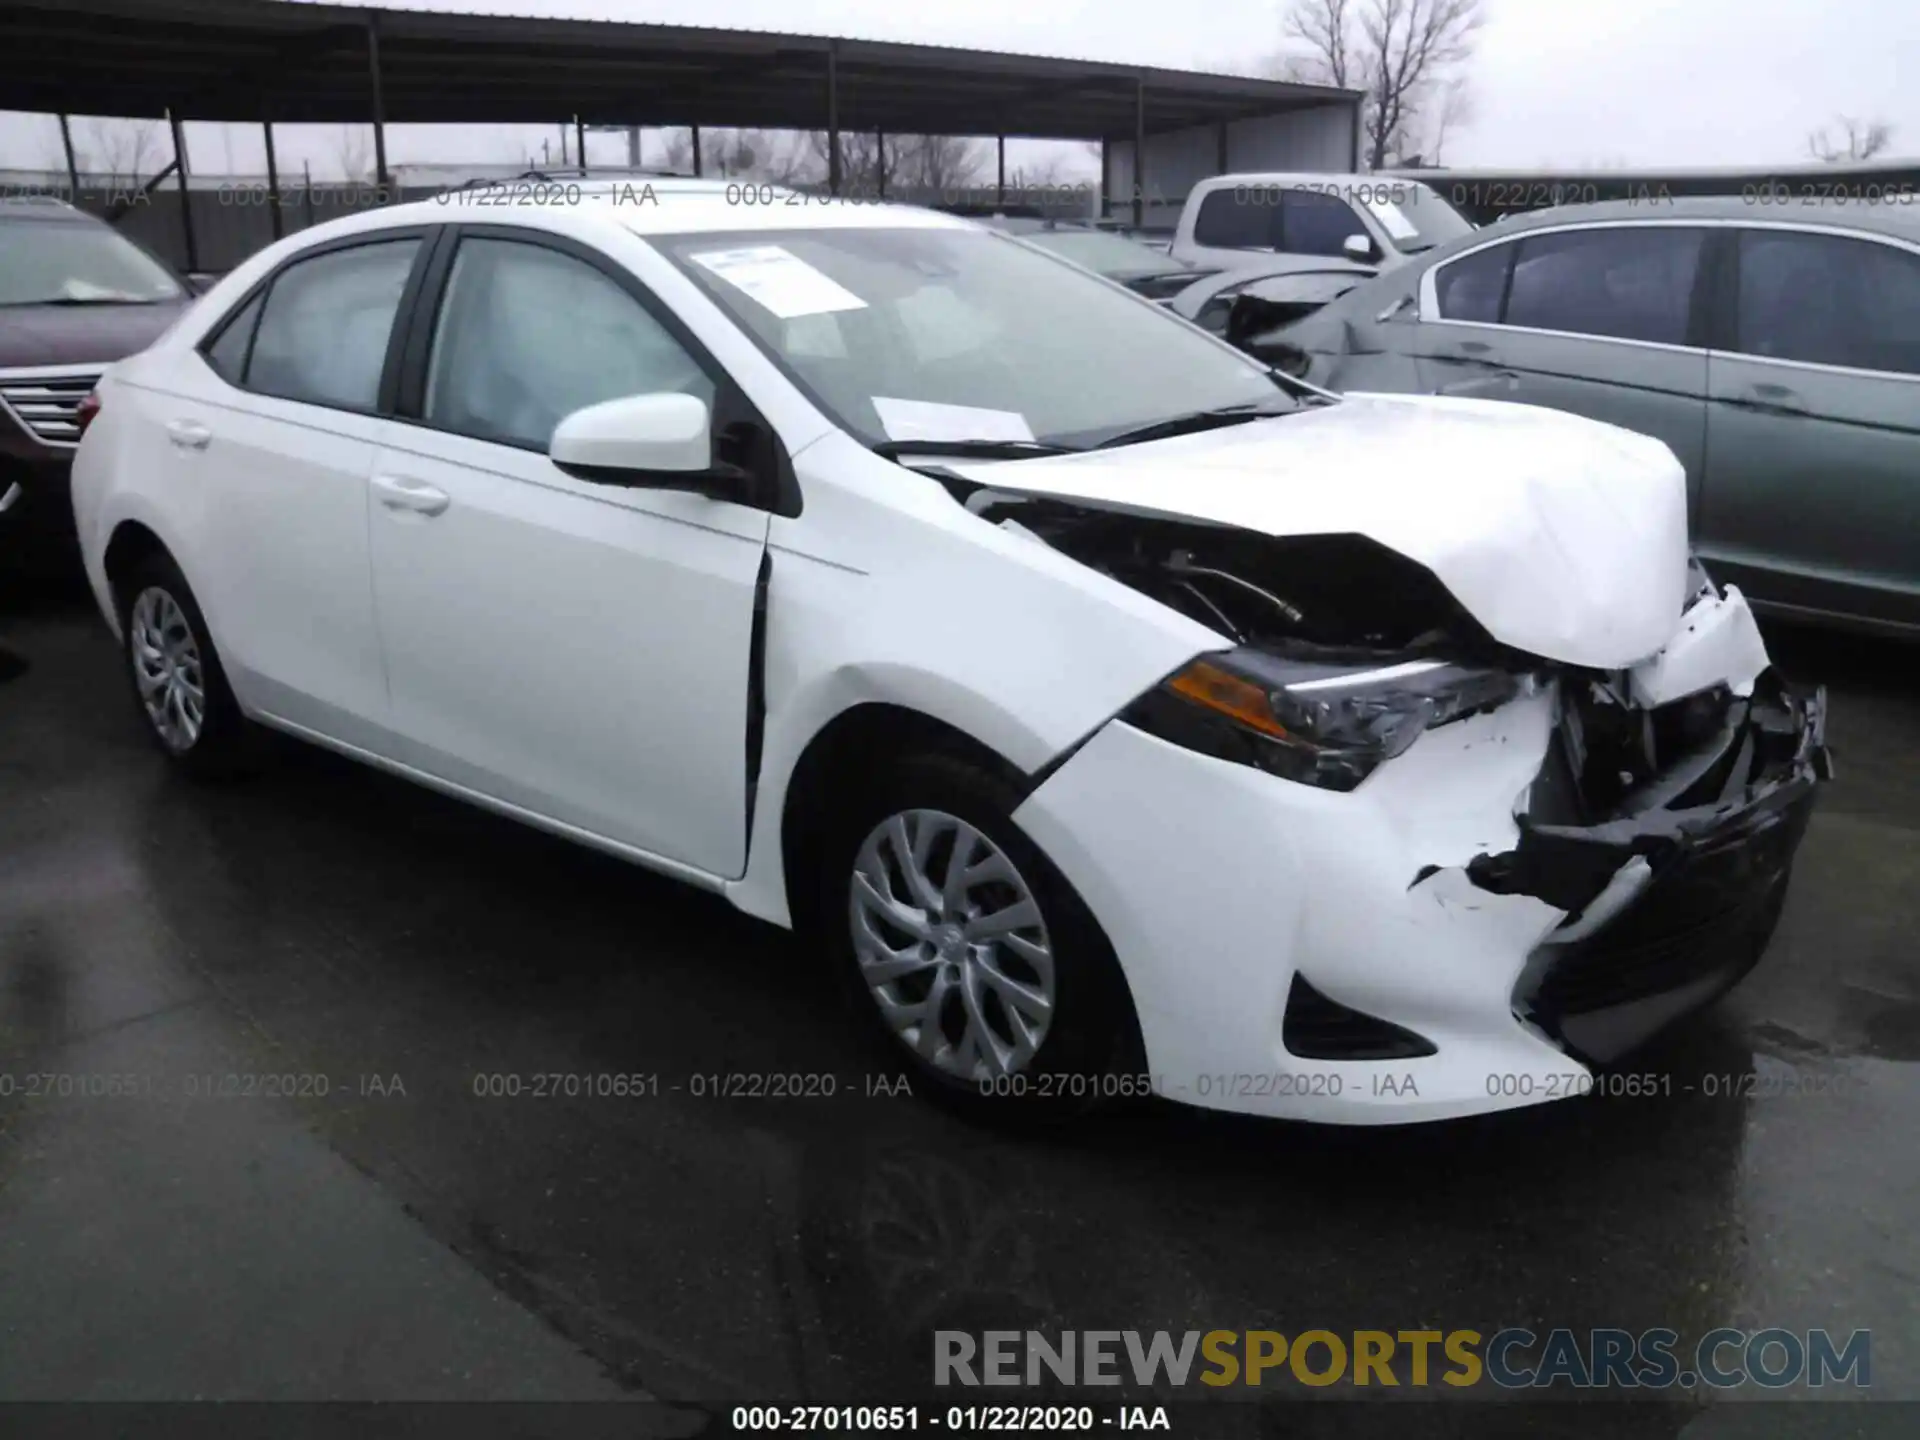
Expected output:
(400, 1236)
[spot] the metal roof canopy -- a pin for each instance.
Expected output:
(266, 59)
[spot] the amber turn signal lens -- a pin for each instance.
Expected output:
(1214, 688)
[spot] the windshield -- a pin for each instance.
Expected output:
(1414, 215)
(66, 262)
(1103, 253)
(936, 333)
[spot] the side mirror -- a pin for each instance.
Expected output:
(662, 441)
(1359, 247)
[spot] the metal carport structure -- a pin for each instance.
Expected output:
(276, 61)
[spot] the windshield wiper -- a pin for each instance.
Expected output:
(973, 449)
(82, 300)
(1195, 421)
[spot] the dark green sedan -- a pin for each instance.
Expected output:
(1775, 347)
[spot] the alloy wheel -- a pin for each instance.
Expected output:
(167, 668)
(952, 945)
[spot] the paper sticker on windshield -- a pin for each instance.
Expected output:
(1388, 214)
(780, 280)
(928, 420)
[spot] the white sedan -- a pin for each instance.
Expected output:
(1118, 715)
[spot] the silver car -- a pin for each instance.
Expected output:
(1774, 347)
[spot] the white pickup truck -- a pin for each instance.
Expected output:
(1375, 220)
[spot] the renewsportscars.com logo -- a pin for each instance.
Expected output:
(1512, 1358)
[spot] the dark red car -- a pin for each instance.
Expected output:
(75, 295)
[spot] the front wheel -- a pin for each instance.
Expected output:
(970, 951)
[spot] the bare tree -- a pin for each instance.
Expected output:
(120, 154)
(353, 152)
(1454, 108)
(1858, 140)
(1406, 55)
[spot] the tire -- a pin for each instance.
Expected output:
(170, 656)
(1084, 1041)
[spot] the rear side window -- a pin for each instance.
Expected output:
(1317, 224)
(1828, 300)
(1240, 218)
(228, 353)
(1627, 283)
(1472, 288)
(322, 337)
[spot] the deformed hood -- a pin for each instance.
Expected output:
(1564, 537)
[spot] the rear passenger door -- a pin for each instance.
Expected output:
(271, 445)
(1813, 443)
(1603, 321)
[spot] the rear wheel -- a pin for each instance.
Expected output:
(969, 951)
(178, 684)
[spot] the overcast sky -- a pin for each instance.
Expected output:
(1559, 83)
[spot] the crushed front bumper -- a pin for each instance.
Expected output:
(1673, 896)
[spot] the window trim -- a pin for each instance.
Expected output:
(1725, 327)
(428, 237)
(1428, 312)
(778, 493)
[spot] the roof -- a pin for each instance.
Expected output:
(253, 59)
(1902, 221)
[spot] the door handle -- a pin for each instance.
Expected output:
(1486, 384)
(1475, 350)
(1774, 400)
(11, 498)
(188, 434)
(413, 496)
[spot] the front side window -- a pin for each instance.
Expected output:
(962, 334)
(1316, 224)
(1238, 219)
(1828, 300)
(1625, 282)
(323, 335)
(527, 335)
(63, 261)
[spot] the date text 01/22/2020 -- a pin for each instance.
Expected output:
(962, 1419)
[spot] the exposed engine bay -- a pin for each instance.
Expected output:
(1318, 596)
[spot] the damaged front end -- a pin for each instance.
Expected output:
(1659, 830)
(1667, 835)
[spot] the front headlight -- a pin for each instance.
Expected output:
(1317, 723)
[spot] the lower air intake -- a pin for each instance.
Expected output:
(1317, 1028)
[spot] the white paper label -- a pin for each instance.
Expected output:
(928, 420)
(780, 280)
(1388, 214)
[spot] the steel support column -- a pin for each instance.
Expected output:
(580, 143)
(186, 197)
(379, 105)
(1140, 154)
(1106, 180)
(697, 168)
(880, 164)
(1000, 160)
(73, 168)
(833, 118)
(273, 182)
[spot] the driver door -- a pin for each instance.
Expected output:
(572, 649)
